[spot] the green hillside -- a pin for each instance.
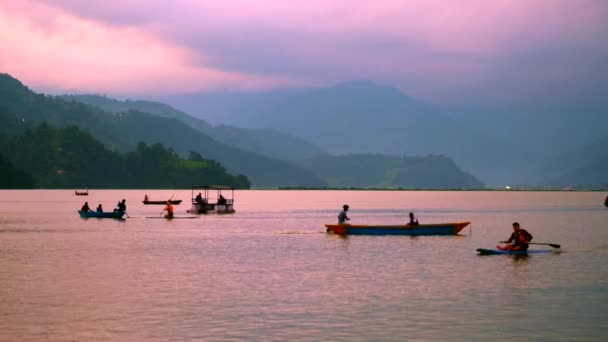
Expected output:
(380, 171)
(124, 131)
(71, 158)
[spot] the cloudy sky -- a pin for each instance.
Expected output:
(437, 50)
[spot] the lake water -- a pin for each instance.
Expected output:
(269, 272)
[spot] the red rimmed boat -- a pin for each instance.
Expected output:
(423, 229)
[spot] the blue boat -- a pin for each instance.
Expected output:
(422, 229)
(107, 214)
(487, 251)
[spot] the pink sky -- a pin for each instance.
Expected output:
(432, 49)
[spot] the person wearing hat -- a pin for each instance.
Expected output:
(342, 217)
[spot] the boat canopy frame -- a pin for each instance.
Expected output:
(205, 190)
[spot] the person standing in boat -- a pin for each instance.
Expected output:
(169, 209)
(413, 220)
(85, 207)
(99, 209)
(519, 239)
(342, 217)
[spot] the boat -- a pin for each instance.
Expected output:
(175, 202)
(105, 214)
(486, 251)
(210, 200)
(421, 229)
(81, 193)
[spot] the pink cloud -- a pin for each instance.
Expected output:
(48, 48)
(201, 44)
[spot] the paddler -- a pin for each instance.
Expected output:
(169, 209)
(342, 217)
(519, 239)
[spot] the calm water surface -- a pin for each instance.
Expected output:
(270, 272)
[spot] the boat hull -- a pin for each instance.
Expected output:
(423, 229)
(485, 251)
(175, 202)
(94, 214)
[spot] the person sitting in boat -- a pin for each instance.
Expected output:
(606, 201)
(221, 200)
(99, 209)
(85, 207)
(199, 199)
(146, 199)
(169, 209)
(519, 239)
(121, 206)
(413, 220)
(342, 217)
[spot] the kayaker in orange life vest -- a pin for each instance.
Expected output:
(520, 239)
(169, 209)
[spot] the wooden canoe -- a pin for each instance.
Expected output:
(175, 202)
(422, 229)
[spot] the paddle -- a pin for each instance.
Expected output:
(554, 245)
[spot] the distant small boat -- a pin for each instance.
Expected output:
(176, 202)
(81, 193)
(485, 251)
(422, 229)
(107, 214)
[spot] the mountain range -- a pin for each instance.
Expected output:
(269, 158)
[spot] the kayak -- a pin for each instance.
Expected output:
(487, 251)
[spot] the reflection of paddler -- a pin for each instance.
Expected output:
(169, 209)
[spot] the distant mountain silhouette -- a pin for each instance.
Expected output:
(363, 117)
(585, 167)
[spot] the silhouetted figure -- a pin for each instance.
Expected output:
(413, 220)
(221, 200)
(342, 217)
(606, 201)
(99, 209)
(85, 207)
(199, 199)
(121, 207)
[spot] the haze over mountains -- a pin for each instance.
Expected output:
(126, 125)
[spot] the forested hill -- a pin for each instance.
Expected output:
(380, 171)
(72, 158)
(22, 109)
(268, 142)
(12, 178)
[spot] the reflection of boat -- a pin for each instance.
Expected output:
(106, 214)
(204, 204)
(176, 202)
(485, 251)
(81, 193)
(422, 229)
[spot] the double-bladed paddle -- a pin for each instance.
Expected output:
(554, 245)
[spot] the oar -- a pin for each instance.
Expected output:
(554, 245)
